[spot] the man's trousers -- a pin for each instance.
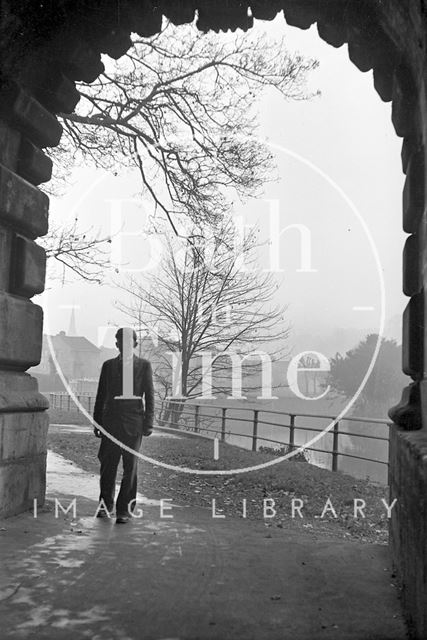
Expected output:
(109, 456)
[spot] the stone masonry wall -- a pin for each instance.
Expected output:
(25, 126)
(408, 529)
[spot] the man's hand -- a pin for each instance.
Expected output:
(147, 431)
(97, 432)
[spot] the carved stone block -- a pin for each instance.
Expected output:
(262, 10)
(115, 43)
(21, 483)
(413, 192)
(412, 283)
(22, 435)
(9, 146)
(79, 61)
(407, 413)
(146, 18)
(60, 95)
(28, 115)
(29, 267)
(22, 205)
(413, 337)
(19, 392)
(331, 32)
(301, 14)
(5, 256)
(403, 112)
(21, 326)
(410, 146)
(33, 165)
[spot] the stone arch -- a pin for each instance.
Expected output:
(63, 47)
(47, 47)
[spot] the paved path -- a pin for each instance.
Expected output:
(190, 577)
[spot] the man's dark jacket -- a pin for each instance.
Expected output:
(131, 417)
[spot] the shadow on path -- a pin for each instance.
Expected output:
(187, 577)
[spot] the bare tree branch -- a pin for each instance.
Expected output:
(181, 108)
(84, 253)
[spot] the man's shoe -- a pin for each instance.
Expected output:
(122, 519)
(103, 514)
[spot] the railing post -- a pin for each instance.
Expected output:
(223, 418)
(335, 451)
(255, 430)
(388, 460)
(292, 433)
(196, 419)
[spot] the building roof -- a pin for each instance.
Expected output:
(76, 343)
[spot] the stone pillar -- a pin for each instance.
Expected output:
(25, 127)
(44, 52)
(408, 438)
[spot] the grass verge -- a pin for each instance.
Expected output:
(281, 483)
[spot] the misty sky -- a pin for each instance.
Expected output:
(340, 175)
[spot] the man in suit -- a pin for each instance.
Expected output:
(126, 414)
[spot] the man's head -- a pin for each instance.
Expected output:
(123, 334)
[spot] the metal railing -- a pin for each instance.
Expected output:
(195, 417)
(64, 402)
(189, 417)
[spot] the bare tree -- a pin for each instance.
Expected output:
(208, 297)
(181, 108)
